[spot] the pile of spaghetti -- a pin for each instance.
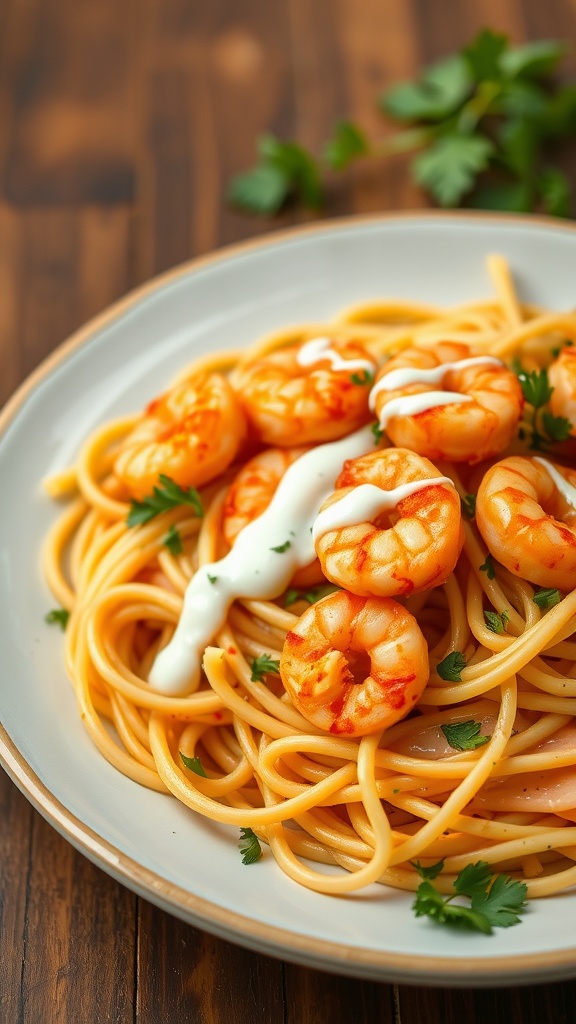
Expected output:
(473, 758)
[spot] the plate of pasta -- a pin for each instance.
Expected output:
(305, 512)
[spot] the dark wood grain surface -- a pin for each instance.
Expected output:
(121, 122)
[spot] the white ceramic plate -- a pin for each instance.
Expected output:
(148, 841)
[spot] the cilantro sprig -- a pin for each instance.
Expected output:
(495, 900)
(542, 426)
(167, 496)
(482, 122)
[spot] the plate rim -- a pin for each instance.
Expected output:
(266, 939)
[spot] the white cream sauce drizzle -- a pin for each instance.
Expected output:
(567, 490)
(366, 502)
(253, 569)
(317, 349)
(411, 405)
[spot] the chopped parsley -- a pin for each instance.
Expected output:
(450, 668)
(168, 495)
(488, 567)
(249, 846)
(58, 616)
(281, 548)
(364, 377)
(542, 427)
(211, 579)
(546, 599)
(497, 622)
(495, 900)
(173, 541)
(378, 432)
(194, 764)
(261, 665)
(464, 735)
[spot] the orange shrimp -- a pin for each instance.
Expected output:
(467, 412)
(410, 542)
(301, 395)
(526, 513)
(251, 492)
(562, 377)
(355, 665)
(191, 433)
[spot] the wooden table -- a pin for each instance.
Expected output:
(121, 124)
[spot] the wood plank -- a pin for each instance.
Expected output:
(73, 909)
(531, 1005)
(313, 997)
(16, 817)
(67, 97)
(186, 975)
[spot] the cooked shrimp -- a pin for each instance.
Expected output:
(392, 526)
(191, 434)
(251, 492)
(444, 402)
(526, 513)
(307, 394)
(355, 665)
(562, 377)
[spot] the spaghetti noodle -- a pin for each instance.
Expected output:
(225, 738)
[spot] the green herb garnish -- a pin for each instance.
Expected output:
(194, 764)
(450, 668)
(169, 495)
(464, 735)
(483, 124)
(362, 378)
(173, 541)
(249, 846)
(497, 622)
(542, 426)
(57, 616)
(311, 596)
(547, 598)
(495, 900)
(488, 567)
(282, 547)
(468, 503)
(261, 665)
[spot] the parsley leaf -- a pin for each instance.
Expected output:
(450, 668)
(57, 616)
(437, 94)
(261, 665)
(173, 541)
(535, 386)
(378, 432)
(464, 735)
(547, 598)
(168, 496)
(558, 428)
(497, 622)
(502, 903)
(449, 167)
(428, 873)
(480, 122)
(495, 900)
(488, 568)
(249, 846)
(347, 143)
(194, 764)
(284, 169)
